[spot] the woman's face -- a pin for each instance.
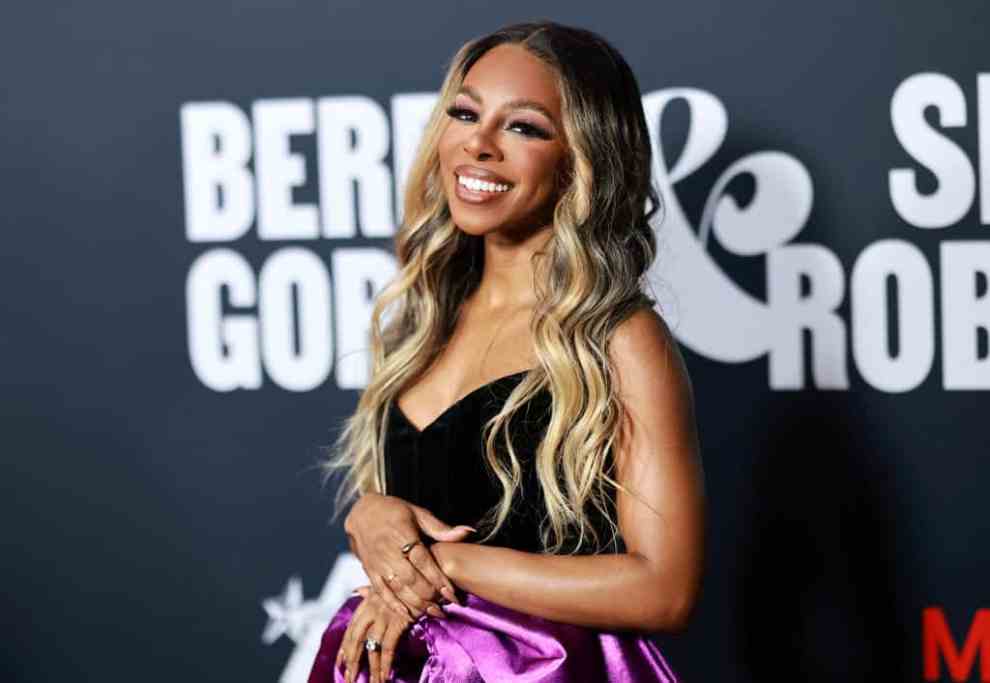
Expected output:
(505, 141)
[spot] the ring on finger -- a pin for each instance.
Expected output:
(374, 647)
(408, 546)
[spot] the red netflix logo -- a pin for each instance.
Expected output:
(938, 645)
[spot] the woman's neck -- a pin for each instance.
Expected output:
(508, 279)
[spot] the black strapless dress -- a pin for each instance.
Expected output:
(443, 469)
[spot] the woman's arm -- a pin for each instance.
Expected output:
(656, 584)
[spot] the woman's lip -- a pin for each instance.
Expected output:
(480, 174)
(476, 196)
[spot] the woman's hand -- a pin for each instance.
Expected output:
(378, 527)
(372, 619)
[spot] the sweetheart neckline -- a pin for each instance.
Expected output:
(420, 431)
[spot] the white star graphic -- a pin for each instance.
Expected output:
(286, 613)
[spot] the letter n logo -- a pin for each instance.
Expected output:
(936, 640)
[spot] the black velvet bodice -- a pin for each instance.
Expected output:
(443, 469)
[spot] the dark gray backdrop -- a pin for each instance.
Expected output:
(146, 516)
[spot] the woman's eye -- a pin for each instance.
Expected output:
(459, 113)
(530, 130)
(527, 129)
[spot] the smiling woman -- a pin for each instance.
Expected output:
(524, 385)
(506, 116)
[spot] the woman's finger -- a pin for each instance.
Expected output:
(355, 644)
(393, 584)
(415, 592)
(422, 559)
(436, 529)
(390, 639)
(385, 592)
(349, 632)
(375, 631)
(415, 581)
(345, 644)
(400, 583)
(417, 606)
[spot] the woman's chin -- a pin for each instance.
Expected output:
(475, 227)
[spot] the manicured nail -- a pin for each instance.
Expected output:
(436, 612)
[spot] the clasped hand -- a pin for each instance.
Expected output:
(403, 587)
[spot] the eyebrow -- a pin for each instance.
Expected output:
(518, 103)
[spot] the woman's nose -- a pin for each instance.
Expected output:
(481, 146)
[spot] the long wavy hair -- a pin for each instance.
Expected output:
(590, 277)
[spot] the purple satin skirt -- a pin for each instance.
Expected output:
(481, 642)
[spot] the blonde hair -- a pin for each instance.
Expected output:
(590, 278)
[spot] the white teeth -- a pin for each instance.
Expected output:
(481, 185)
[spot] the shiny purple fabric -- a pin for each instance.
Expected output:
(481, 642)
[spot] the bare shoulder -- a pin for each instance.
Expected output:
(645, 354)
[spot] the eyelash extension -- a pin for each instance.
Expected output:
(528, 129)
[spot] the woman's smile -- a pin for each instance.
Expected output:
(478, 186)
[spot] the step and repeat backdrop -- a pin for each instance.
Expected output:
(199, 201)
